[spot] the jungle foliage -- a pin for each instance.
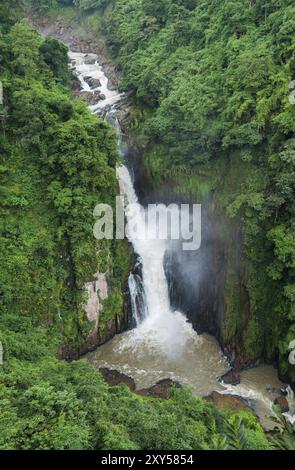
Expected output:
(57, 163)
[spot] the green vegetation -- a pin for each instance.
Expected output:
(51, 404)
(57, 162)
(89, 4)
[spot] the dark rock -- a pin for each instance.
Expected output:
(88, 97)
(110, 330)
(92, 82)
(114, 326)
(89, 60)
(198, 281)
(99, 96)
(114, 378)
(282, 402)
(160, 390)
(95, 83)
(227, 401)
(231, 377)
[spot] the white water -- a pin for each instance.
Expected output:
(164, 344)
(94, 71)
(291, 401)
(165, 331)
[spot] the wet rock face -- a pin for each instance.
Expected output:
(232, 377)
(114, 378)
(97, 292)
(199, 284)
(92, 82)
(197, 280)
(115, 325)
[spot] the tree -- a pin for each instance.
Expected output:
(55, 55)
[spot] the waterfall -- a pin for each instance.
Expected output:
(291, 402)
(290, 398)
(163, 344)
(156, 322)
(163, 328)
(138, 299)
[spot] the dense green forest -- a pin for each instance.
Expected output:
(58, 161)
(211, 81)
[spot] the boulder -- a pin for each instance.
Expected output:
(227, 401)
(160, 390)
(114, 378)
(99, 96)
(90, 60)
(282, 402)
(88, 97)
(92, 82)
(231, 377)
(95, 83)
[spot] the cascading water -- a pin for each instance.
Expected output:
(165, 330)
(290, 398)
(163, 344)
(291, 402)
(87, 67)
(136, 301)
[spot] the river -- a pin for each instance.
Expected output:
(163, 344)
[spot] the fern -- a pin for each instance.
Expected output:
(283, 437)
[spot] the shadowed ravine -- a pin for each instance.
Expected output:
(163, 344)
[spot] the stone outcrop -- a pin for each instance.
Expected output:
(114, 378)
(97, 292)
(89, 60)
(160, 390)
(234, 402)
(92, 82)
(232, 377)
(89, 97)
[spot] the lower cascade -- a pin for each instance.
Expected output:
(162, 343)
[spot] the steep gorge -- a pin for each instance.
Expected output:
(58, 162)
(228, 297)
(162, 344)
